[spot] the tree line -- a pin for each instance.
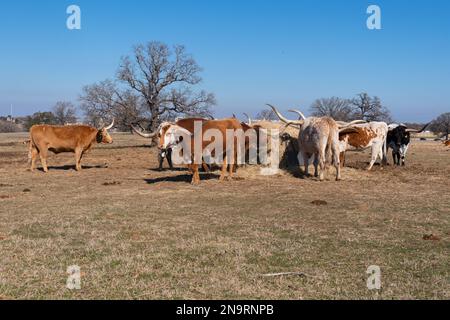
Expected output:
(157, 83)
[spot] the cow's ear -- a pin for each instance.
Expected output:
(99, 136)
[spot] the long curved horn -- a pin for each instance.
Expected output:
(145, 135)
(111, 125)
(289, 122)
(346, 124)
(249, 119)
(418, 131)
(302, 116)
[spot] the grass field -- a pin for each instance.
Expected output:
(137, 233)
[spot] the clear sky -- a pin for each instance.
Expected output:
(287, 53)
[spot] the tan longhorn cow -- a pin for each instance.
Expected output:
(77, 139)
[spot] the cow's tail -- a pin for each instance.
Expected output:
(30, 145)
(385, 147)
(329, 156)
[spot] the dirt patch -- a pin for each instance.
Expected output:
(114, 183)
(431, 237)
(319, 202)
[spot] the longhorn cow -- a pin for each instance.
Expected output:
(77, 139)
(398, 139)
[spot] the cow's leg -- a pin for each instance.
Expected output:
(337, 160)
(396, 157)
(374, 155)
(224, 169)
(342, 158)
(322, 162)
(195, 174)
(169, 158)
(306, 163)
(231, 169)
(78, 156)
(205, 167)
(34, 154)
(382, 157)
(316, 165)
(160, 160)
(43, 152)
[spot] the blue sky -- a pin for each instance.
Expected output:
(287, 53)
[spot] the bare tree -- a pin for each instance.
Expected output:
(266, 114)
(8, 126)
(337, 108)
(104, 100)
(64, 113)
(164, 80)
(441, 125)
(369, 108)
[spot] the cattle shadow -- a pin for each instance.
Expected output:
(139, 146)
(168, 169)
(187, 178)
(71, 167)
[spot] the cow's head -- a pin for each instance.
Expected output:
(103, 135)
(162, 130)
(402, 135)
(172, 135)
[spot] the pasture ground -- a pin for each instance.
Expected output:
(137, 233)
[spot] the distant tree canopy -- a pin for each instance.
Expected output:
(40, 118)
(8, 126)
(103, 100)
(266, 114)
(362, 107)
(441, 125)
(154, 83)
(370, 108)
(65, 113)
(337, 108)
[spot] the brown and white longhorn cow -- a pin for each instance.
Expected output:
(77, 139)
(362, 136)
(166, 153)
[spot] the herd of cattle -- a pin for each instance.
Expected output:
(321, 138)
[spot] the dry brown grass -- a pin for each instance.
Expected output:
(141, 234)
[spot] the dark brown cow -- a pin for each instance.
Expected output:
(77, 139)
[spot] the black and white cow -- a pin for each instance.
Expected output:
(398, 139)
